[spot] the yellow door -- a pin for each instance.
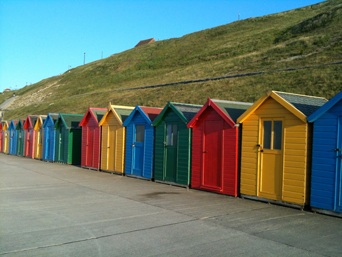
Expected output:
(6, 142)
(111, 148)
(271, 159)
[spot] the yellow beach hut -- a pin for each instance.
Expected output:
(114, 138)
(38, 148)
(5, 137)
(276, 148)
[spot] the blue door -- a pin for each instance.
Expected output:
(339, 170)
(138, 150)
(47, 143)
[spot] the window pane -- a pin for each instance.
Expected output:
(139, 133)
(267, 134)
(168, 135)
(174, 134)
(277, 136)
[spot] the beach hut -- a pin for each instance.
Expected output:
(49, 137)
(68, 138)
(172, 159)
(276, 148)
(12, 137)
(326, 172)
(39, 130)
(113, 138)
(140, 142)
(20, 137)
(215, 146)
(30, 135)
(91, 138)
(5, 137)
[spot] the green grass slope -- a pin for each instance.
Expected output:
(307, 36)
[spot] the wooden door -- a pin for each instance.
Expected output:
(271, 159)
(60, 145)
(171, 142)
(212, 155)
(111, 148)
(138, 150)
(90, 147)
(338, 189)
(19, 143)
(28, 143)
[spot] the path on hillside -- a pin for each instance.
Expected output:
(7, 103)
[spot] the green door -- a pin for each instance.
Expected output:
(60, 145)
(170, 167)
(19, 144)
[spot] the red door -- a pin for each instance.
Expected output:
(212, 155)
(90, 146)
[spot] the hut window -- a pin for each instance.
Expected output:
(139, 133)
(272, 134)
(171, 137)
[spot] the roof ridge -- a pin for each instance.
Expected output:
(122, 107)
(187, 104)
(298, 94)
(232, 102)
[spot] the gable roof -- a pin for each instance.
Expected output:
(13, 124)
(40, 120)
(121, 113)
(68, 120)
(184, 111)
(30, 121)
(228, 110)
(148, 113)
(20, 124)
(326, 107)
(4, 125)
(299, 105)
(146, 41)
(96, 113)
(51, 116)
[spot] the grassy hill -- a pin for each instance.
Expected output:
(307, 36)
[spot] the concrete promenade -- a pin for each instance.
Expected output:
(49, 209)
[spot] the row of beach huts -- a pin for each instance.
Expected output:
(285, 148)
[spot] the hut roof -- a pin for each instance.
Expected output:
(146, 41)
(326, 107)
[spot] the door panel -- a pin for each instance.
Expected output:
(171, 152)
(111, 148)
(138, 150)
(60, 145)
(339, 171)
(90, 146)
(271, 159)
(212, 154)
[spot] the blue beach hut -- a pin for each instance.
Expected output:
(13, 137)
(140, 142)
(49, 137)
(326, 174)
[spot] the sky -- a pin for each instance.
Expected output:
(44, 38)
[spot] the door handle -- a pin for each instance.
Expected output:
(133, 145)
(261, 151)
(205, 151)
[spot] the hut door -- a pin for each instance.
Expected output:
(19, 143)
(111, 148)
(90, 146)
(138, 150)
(171, 152)
(339, 171)
(60, 144)
(212, 152)
(271, 159)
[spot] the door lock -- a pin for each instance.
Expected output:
(261, 151)
(205, 151)
(133, 145)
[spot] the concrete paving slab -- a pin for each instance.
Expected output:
(50, 209)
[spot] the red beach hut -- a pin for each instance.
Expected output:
(215, 146)
(30, 135)
(91, 138)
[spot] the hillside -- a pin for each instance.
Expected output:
(307, 36)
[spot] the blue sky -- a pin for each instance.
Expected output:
(40, 39)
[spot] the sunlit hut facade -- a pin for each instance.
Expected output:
(20, 137)
(30, 135)
(68, 138)
(49, 137)
(5, 137)
(39, 130)
(172, 161)
(140, 142)
(12, 131)
(276, 148)
(326, 172)
(91, 138)
(113, 138)
(215, 146)
(1, 136)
